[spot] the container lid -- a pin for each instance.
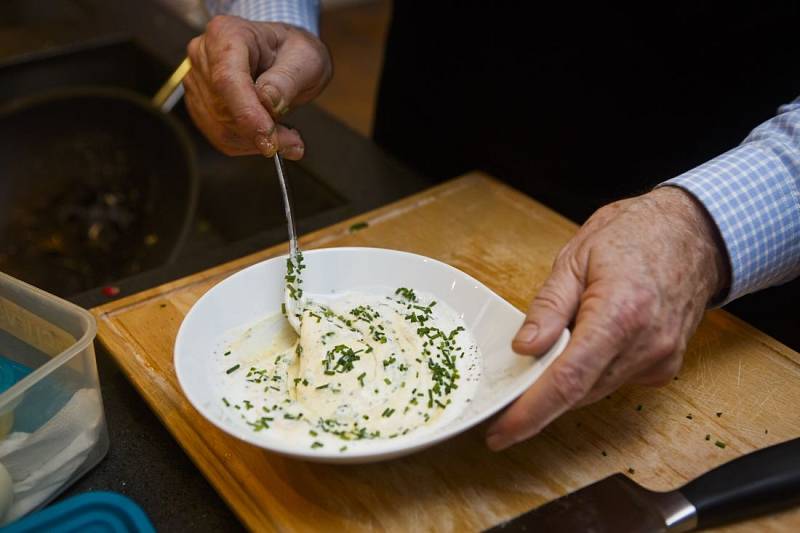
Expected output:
(92, 512)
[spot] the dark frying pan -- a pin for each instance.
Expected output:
(96, 184)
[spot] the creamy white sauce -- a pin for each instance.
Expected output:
(367, 365)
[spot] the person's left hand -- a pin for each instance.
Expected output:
(636, 278)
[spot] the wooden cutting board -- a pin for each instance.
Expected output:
(738, 386)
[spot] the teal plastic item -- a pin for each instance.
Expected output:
(10, 373)
(92, 512)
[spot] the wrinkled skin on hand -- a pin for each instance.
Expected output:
(245, 75)
(636, 280)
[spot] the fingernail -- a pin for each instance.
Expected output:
(497, 442)
(273, 95)
(276, 100)
(292, 152)
(265, 146)
(527, 333)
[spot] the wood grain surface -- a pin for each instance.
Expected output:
(738, 386)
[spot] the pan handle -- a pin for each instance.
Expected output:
(764, 481)
(172, 90)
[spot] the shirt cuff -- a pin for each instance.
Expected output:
(755, 204)
(301, 13)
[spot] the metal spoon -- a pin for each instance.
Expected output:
(293, 297)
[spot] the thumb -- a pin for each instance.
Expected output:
(551, 310)
(297, 74)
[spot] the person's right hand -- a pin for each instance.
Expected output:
(245, 75)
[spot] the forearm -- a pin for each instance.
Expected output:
(752, 193)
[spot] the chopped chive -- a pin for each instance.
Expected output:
(233, 369)
(323, 386)
(225, 401)
(358, 226)
(719, 444)
(227, 353)
(316, 444)
(361, 378)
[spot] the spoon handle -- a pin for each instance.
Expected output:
(287, 204)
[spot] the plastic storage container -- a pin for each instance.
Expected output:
(52, 426)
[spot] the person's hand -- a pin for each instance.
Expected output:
(636, 279)
(245, 75)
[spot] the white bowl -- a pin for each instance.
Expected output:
(257, 291)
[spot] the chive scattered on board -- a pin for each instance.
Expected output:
(233, 369)
(358, 226)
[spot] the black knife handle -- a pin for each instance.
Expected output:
(764, 481)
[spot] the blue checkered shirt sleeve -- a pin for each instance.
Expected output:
(302, 13)
(753, 194)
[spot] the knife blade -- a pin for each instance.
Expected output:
(754, 484)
